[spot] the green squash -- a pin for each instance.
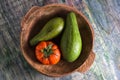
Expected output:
(51, 29)
(71, 43)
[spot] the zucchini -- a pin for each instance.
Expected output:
(51, 29)
(71, 43)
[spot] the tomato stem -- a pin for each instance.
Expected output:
(47, 51)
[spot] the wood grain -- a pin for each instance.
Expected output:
(86, 65)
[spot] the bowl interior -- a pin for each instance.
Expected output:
(42, 16)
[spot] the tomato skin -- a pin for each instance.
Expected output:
(47, 53)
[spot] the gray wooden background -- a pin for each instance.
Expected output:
(104, 16)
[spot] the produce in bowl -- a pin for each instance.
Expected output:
(51, 29)
(70, 45)
(47, 52)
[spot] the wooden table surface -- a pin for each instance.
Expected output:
(104, 16)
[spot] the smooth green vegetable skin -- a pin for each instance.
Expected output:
(71, 43)
(49, 31)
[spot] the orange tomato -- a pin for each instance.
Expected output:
(47, 52)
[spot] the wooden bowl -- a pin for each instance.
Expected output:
(33, 22)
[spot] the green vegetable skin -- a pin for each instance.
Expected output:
(49, 31)
(71, 43)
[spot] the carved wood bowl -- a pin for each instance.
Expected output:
(33, 22)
